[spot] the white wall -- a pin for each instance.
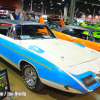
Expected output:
(20, 6)
(90, 18)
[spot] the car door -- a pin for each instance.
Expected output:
(6, 44)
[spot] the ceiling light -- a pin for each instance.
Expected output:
(50, 1)
(59, 3)
(63, 0)
(41, 2)
(34, 3)
(77, 9)
(92, 4)
(51, 8)
(51, 4)
(85, 2)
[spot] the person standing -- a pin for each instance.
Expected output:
(32, 12)
(30, 18)
(37, 18)
(14, 15)
(25, 16)
(18, 16)
(21, 15)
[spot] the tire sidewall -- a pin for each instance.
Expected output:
(32, 88)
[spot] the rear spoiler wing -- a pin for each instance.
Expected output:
(61, 21)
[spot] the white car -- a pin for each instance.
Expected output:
(43, 59)
(6, 16)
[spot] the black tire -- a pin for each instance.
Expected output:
(31, 79)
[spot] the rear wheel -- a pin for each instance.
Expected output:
(31, 79)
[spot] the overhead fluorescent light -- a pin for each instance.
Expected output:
(34, 3)
(41, 2)
(59, 3)
(50, 1)
(51, 4)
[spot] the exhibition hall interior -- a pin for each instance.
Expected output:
(49, 49)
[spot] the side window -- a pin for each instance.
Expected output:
(80, 34)
(11, 32)
(69, 32)
(89, 37)
(75, 33)
(18, 30)
(3, 31)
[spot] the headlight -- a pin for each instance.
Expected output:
(89, 80)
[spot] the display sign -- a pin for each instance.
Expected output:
(4, 84)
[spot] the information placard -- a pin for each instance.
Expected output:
(4, 84)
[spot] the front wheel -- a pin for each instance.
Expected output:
(31, 79)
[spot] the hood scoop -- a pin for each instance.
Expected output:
(36, 49)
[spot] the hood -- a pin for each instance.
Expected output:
(70, 53)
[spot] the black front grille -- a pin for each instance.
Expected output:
(89, 80)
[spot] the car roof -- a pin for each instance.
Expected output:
(20, 22)
(4, 13)
(77, 27)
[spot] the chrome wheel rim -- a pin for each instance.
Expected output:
(30, 76)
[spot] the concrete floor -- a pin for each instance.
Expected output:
(48, 93)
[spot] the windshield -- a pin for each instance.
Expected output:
(53, 23)
(27, 32)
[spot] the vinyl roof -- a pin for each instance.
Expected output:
(77, 27)
(20, 22)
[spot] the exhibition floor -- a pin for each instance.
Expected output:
(17, 85)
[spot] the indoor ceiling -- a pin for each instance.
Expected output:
(82, 6)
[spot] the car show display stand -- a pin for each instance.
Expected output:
(4, 84)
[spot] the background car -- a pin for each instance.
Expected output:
(89, 37)
(6, 16)
(52, 23)
(90, 25)
(86, 36)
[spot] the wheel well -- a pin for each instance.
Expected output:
(23, 63)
